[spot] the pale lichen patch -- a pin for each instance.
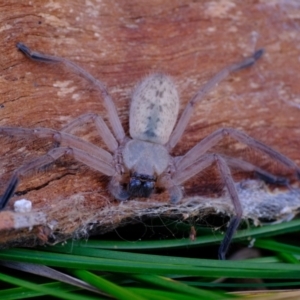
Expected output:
(63, 87)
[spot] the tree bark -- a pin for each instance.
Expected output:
(120, 42)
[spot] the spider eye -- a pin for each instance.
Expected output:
(141, 185)
(148, 188)
(134, 185)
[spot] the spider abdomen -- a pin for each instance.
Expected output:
(154, 109)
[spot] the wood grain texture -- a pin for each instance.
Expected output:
(120, 42)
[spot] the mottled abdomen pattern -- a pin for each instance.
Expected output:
(154, 109)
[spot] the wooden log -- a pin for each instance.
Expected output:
(119, 42)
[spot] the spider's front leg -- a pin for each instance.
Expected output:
(172, 183)
(213, 82)
(196, 160)
(50, 157)
(82, 151)
(54, 154)
(110, 106)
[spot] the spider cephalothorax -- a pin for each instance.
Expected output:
(141, 162)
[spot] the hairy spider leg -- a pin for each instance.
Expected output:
(187, 113)
(110, 106)
(85, 152)
(51, 156)
(262, 174)
(211, 140)
(196, 160)
(101, 127)
(202, 163)
(235, 220)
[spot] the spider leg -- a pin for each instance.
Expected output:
(112, 111)
(172, 181)
(35, 164)
(262, 174)
(181, 175)
(54, 154)
(211, 140)
(101, 127)
(235, 220)
(63, 138)
(206, 160)
(187, 113)
(195, 160)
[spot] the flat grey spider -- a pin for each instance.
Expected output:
(141, 162)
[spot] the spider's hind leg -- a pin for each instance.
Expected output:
(269, 178)
(259, 173)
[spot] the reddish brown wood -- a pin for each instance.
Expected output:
(121, 41)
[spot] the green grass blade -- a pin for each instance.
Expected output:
(243, 285)
(157, 259)
(177, 286)
(270, 230)
(23, 293)
(277, 247)
(107, 286)
(209, 268)
(163, 295)
(42, 289)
